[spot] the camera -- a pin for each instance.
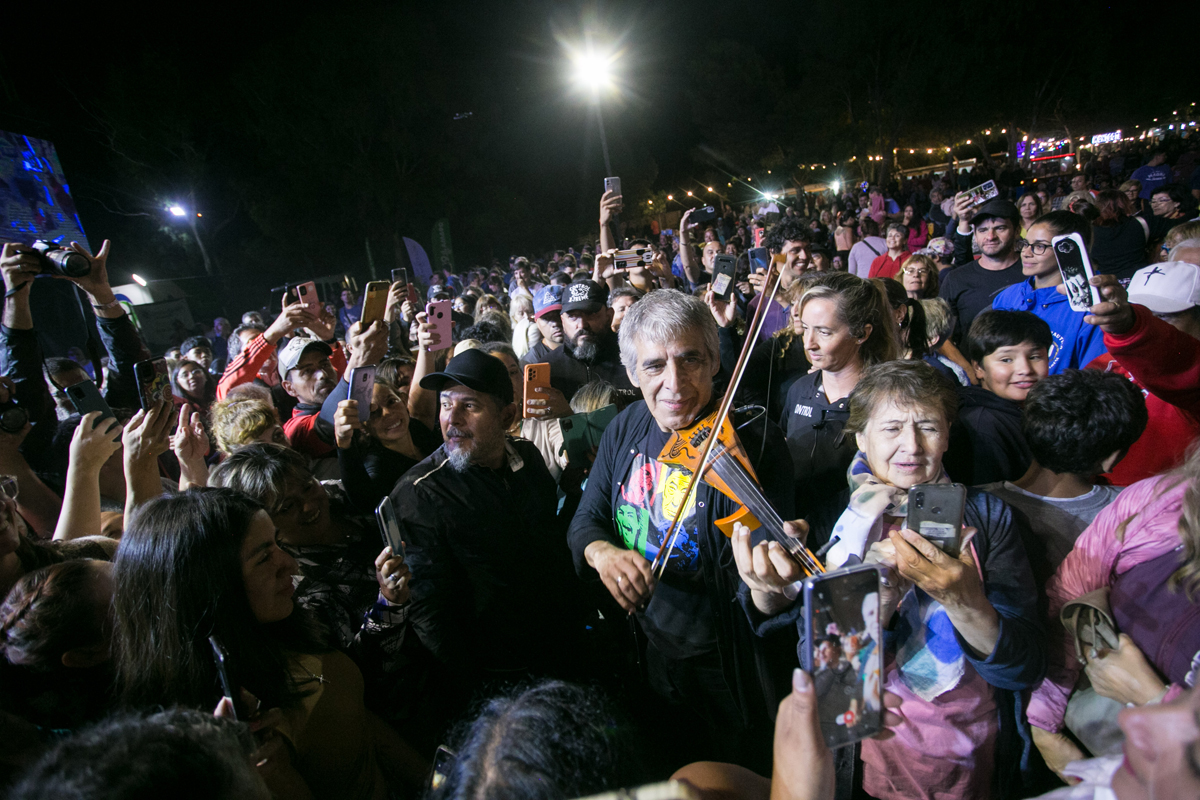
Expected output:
(57, 260)
(12, 418)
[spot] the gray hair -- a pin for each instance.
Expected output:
(897, 227)
(664, 316)
(1186, 244)
(939, 321)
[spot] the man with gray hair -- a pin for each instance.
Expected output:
(701, 648)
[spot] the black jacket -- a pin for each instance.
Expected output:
(821, 452)
(986, 443)
(754, 670)
(568, 374)
(770, 372)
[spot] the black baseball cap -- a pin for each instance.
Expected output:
(586, 296)
(996, 207)
(476, 370)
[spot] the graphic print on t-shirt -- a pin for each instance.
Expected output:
(650, 496)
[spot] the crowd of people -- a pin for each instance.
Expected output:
(198, 601)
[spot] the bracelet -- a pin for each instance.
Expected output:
(108, 305)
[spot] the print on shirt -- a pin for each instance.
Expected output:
(650, 496)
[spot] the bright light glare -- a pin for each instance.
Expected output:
(177, 210)
(593, 71)
(836, 186)
(138, 279)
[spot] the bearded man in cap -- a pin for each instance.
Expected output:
(972, 285)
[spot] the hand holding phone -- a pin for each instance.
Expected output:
(306, 293)
(374, 302)
(724, 274)
(440, 325)
(153, 382)
(1077, 272)
(225, 673)
(935, 510)
(362, 390)
(536, 376)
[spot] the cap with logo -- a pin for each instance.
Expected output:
(547, 299)
(295, 349)
(1166, 288)
(586, 296)
(439, 292)
(476, 370)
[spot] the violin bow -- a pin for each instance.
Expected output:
(770, 288)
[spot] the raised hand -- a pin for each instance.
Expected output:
(345, 423)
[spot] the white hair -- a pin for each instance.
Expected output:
(665, 316)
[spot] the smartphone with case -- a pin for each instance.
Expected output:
(633, 257)
(229, 686)
(581, 433)
(441, 323)
(982, 193)
(306, 293)
(935, 510)
(87, 398)
(536, 376)
(1077, 272)
(389, 526)
(759, 258)
(612, 185)
(724, 276)
(703, 215)
(362, 388)
(842, 652)
(374, 302)
(760, 235)
(153, 382)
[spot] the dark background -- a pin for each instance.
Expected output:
(302, 133)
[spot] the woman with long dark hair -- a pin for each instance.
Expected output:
(1119, 236)
(193, 385)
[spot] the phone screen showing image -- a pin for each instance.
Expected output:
(843, 653)
(1076, 272)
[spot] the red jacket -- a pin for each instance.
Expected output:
(1165, 364)
(885, 266)
(245, 366)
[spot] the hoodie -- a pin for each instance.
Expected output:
(986, 443)
(1076, 344)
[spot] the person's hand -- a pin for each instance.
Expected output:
(95, 283)
(19, 264)
(602, 267)
(723, 311)
(892, 587)
(189, 442)
(272, 759)
(1124, 674)
(768, 568)
(756, 279)
(964, 210)
(367, 345)
(408, 310)
(685, 226)
(549, 403)
(1112, 314)
(92, 446)
(611, 204)
(292, 317)
(345, 423)
(393, 576)
(321, 325)
(147, 434)
(625, 573)
(1057, 750)
(953, 582)
(396, 298)
(427, 338)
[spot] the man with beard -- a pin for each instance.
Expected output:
(971, 286)
(589, 351)
(494, 595)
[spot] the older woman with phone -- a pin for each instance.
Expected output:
(963, 637)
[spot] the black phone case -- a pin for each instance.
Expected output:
(935, 510)
(724, 276)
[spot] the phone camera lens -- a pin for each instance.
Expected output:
(936, 509)
(920, 499)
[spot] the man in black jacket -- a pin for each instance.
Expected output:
(701, 652)
(972, 285)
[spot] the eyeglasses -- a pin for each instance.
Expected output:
(916, 270)
(1155, 200)
(1037, 248)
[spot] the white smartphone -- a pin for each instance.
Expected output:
(1077, 273)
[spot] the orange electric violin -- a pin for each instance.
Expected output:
(711, 451)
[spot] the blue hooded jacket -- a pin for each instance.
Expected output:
(1076, 343)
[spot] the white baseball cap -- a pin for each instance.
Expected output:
(1166, 288)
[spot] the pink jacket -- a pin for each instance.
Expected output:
(1152, 507)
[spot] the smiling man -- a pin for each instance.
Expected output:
(494, 594)
(971, 286)
(698, 640)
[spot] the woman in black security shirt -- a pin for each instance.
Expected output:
(846, 325)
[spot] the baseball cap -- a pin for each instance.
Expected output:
(940, 246)
(476, 370)
(438, 292)
(995, 207)
(547, 299)
(295, 349)
(1166, 288)
(586, 296)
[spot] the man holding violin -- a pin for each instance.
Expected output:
(701, 652)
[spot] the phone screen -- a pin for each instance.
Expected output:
(843, 652)
(362, 388)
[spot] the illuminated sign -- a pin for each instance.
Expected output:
(1106, 138)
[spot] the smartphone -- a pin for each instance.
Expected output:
(702, 215)
(229, 687)
(842, 652)
(760, 235)
(441, 323)
(612, 185)
(86, 398)
(306, 293)
(362, 387)
(389, 525)
(374, 302)
(443, 765)
(935, 510)
(536, 376)
(153, 382)
(759, 257)
(724, 276)
(582, 432)
(982, 193)
(634, 257)
(1077, 273)
(400, 276)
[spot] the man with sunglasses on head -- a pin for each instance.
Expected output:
(972, 285)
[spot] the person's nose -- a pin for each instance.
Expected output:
(810, 340)
(671, 377)
(911, 440)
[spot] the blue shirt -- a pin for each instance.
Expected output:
(1151, 178)
(1076, 343)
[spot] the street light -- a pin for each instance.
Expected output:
(177, 211)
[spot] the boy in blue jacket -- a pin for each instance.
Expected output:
(1075, 343)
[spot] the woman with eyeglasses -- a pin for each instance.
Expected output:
(1132, 189)
(1076, 342)
(919, 274)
